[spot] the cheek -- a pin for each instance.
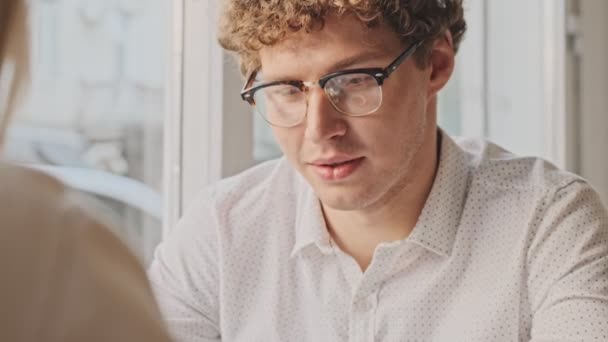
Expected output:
(396, 129)
(405, 106)
(407, 90)
(288, 141)
(398, 119)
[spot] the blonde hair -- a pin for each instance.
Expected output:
(247, 26)
(13, 57)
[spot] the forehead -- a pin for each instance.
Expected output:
(306, 54)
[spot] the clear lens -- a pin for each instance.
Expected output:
(281, 105)
(354, 94)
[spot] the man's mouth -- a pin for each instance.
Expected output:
(338, 164)
(337, 168)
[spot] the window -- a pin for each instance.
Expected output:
(94, 114)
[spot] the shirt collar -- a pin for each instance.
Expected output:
(310, 225)
(437, 225)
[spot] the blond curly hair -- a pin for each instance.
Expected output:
(248, 25)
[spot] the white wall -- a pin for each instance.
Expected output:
(514, 74)
(525, 77)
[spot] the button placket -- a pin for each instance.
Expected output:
(363, 318)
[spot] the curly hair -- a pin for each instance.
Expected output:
(246, 26)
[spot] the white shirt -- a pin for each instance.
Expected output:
(506, 249)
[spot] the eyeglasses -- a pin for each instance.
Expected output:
(355, 92)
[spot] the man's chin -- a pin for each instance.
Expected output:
(342, 201)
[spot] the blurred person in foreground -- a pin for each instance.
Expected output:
(65, 276)
(376, 225)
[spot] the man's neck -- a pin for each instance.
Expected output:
(358, 233)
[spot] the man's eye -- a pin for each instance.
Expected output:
(355, 81)
(286, 92)
(289, 92)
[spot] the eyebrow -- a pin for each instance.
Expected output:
(343, 64)
(356, 59)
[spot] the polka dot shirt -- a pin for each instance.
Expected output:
(506, 249)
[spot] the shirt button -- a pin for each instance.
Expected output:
(363, 305)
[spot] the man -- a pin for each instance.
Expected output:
(376, 225)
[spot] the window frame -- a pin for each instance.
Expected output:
(201, 117)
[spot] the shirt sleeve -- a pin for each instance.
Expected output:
(184, 276)
(568, 268)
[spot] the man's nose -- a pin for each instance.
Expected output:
(323, 122)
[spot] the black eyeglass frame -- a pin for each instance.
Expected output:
(379, 74)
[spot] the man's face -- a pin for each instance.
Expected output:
(377, 154)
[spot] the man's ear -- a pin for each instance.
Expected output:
(441, 62)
